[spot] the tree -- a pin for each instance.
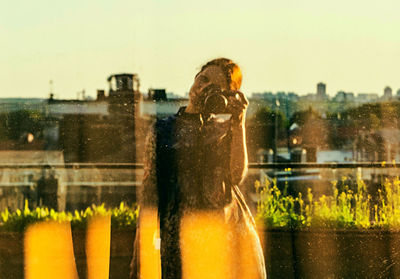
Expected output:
(18, 123)
(312, 129)
(261, 129)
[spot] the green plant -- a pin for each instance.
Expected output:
(387, 212)
(344, 209)
(17, 221)
(276, 209)
(124, 217)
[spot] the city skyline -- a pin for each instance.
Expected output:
(281, 46)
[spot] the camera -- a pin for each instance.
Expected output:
(216, 99)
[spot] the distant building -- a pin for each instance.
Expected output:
(344, 97)
(157, 94)
(263, 96)
(102, 130)
(387, 93)
(62, 107)
(171, 95)
(310, 97)
(363, 98)
(321, 91)
(287, 103)
(150, 109)
(8, 105)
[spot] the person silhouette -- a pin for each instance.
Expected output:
(194, 162)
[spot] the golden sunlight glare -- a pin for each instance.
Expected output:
(98, 247)
(150, 262)
(49, 252)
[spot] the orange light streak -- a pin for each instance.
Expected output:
(49, 252)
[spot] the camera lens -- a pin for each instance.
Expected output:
(215, 101)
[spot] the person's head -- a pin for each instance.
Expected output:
(221, 71)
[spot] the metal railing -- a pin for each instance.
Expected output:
(82, 183)
(352, 165)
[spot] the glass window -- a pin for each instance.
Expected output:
(150, 155)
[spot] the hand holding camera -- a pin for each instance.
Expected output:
(217, 101)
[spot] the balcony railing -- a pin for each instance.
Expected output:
(81, 184)
(352, 165)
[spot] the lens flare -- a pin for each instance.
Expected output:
(49, 252)
(204, 246)
(98, 247)
(150, 262)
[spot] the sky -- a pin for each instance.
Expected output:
(285, 45)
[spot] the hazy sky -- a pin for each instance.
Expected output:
(280, 45)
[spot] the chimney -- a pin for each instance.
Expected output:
(101, 95)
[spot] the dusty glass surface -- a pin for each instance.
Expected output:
(85, 89)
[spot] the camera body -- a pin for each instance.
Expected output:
(216, 100)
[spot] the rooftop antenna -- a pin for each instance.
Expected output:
(81, 94)
(51, 89)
